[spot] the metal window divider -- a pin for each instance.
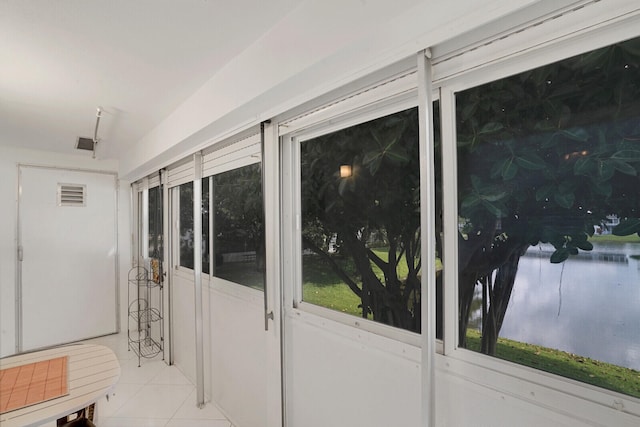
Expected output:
(268, 314)
(197, 277)
(427, 221)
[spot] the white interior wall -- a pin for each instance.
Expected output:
(489, 394)
(238, 353)
(235, 351)
(339, 376)
(183, 337)
(10, 157)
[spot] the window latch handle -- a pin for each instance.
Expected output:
(267, 316)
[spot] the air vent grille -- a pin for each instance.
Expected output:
(84, 144)
(72, 194)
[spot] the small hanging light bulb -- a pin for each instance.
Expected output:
(346, 171)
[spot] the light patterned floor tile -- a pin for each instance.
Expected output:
(152, 395)
(170, 375)
(176, 422)
(134, 422)
(189, 410)
(120, 395)
(155, 401)
(131, 373)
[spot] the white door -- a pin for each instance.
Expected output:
(68, 251)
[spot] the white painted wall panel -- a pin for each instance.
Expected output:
(234, 342)
(239, 354)
(461, 403)
(346, 379)
(472, 395)
(339, 376)
(183, 325)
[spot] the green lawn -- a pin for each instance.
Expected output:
(321, 286)
(605, 375)
(244, 273)
(607, 238)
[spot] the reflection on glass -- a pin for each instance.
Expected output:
(155, 223)
(438, 218)
(361, 220)
(140, 226)
(238, 226)
(548, 166)
(205, 225)
(186, 225)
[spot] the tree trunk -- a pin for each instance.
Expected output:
(466, 286)
(499, 282)
(386, 306)
(499, 294)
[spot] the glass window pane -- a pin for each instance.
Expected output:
(155, 223)
(361, 220)
(140, 227)
(438, 218)
(549, 250)
(186, 225)
(205, 225)
(239, 226)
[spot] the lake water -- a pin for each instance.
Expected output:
(589, 306)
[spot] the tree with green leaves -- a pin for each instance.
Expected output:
(377, 205)
(544, 156)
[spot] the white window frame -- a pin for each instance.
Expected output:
(180, 270)
(229, 154)
(584, 30)
(399, 94)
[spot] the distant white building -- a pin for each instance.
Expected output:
(607, 225)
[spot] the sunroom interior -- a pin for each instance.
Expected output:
(333, 213)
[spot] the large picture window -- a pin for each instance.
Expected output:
(549, 220)
(238, 226)
(360, 201)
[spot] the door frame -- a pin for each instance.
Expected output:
(19, 320)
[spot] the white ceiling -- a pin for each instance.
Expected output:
(137, 59)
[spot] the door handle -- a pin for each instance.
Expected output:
(20, 253)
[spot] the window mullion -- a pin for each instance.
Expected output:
(450, 220)
(427, 235)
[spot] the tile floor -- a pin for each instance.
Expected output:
(152, 395)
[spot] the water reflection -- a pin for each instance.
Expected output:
(590, 305)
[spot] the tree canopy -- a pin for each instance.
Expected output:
(544, 156)
(377, 205)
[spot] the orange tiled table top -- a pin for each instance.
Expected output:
(33, 383)
(92, 371)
